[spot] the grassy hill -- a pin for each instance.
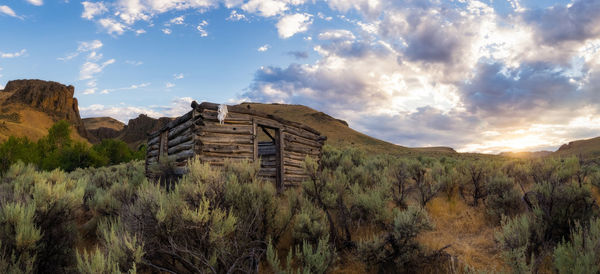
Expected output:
(103, 122)
(338, 132)
(589, 148)
(23, 121)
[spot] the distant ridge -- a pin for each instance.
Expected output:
(588, 148)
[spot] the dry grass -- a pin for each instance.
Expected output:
(98, 122)
(32, 124)
(465, 229)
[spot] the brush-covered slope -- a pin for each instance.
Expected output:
(30, 107)
(103, 127)
(589, 148)
(337, 131)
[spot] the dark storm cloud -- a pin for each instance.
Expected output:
(578, 22)
(525, 91)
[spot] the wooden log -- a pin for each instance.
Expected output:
(267, 150)
(294, 163)
(295, 147)
(288, 170)
(172, 124)
(184, 128)
(153, 140)
(301, 132)
(288, 137)
(232, 148)
(183, 155)
(180, 139)
(211, 115)
(210, 137)
(153, 147)
(230, 129)
(153, 153)
(295, 178)
(294, 155)
(183, 146)
(225, 155)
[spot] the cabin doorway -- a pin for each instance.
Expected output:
(268, 145)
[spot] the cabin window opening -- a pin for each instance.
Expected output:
(269, 152)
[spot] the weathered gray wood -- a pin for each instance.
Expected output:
(153, 147)
(295, 155)
(224, 156)
(294, 163)
(295, 178)
(180, 139)
(301, 132)
(153, 140)
(172, 124)
(231, 148)
(289, 170)
(254, 142)
(301, 140)
(184, 128)
(295, 147)
(231, 129)
(182, 155)
(183, 146)
(210, 137)
(153, 153)
(267, 150)
(211, 115)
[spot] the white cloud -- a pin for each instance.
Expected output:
(134, 63)
(177, 107)
(201, 29)
(294, 23)
(13, 54)
(85, 47)
(8, 11)
(140, 31)
(169, 85)
(132, 87)
(264, 48)
(177, 20)
(166, 31)
(235, 16)
(112, 26)
(266, 8)
(341, 34)
(36, 2)
(90, 69)
(178, 76)
(91, 9)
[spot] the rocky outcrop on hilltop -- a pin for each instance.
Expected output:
(49, 97)
(136, 131)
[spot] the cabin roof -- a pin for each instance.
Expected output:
(235, 108)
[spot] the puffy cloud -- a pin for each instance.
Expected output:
(169, 85)
(417, 73)
(266, 8)
(166, 31)
(36, 2)
(8, 11)
(264, 48)
(177, 20)
(178, 76)
(112, 26)
(13, 54)
(235, 16)
(119, 112)
(291, 24)
(92, 9)
(90, 69)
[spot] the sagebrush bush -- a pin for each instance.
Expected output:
(503, 199)
(581, 254)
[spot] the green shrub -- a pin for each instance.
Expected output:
(397, 248)
(516, 238)
(310, 224)
(502, 198)
(581, 254)
(311, 259)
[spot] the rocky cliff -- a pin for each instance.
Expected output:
(52, 98)
(136, 131)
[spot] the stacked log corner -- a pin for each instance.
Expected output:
(199, 133)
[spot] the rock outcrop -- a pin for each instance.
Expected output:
(50, 97)
(136, 131)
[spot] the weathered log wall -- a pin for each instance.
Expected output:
(199, 133)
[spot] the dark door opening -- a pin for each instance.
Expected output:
(267, 142)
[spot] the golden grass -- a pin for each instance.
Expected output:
(466, 230)
(107, 122)
(32, 124)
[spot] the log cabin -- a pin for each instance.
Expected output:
(242, 133)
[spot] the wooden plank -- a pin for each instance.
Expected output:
(230, 129)
(295, 171)
(183, 146)
(295, 155)
(153, 153)
(228, 148)
(301, 132)
(172, 124)
(295, 178)
(210, 137)
(254, 142)
(184, 128)
(294, 163)
(279, 144)
(272, 150)
(180, 139)
(153, 140)
(288, 137)
(295, 147)
(152, 147)
(226, 155)
(231, 116)
(183, 155)
(269, 123)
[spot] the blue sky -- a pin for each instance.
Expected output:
(483, 76)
